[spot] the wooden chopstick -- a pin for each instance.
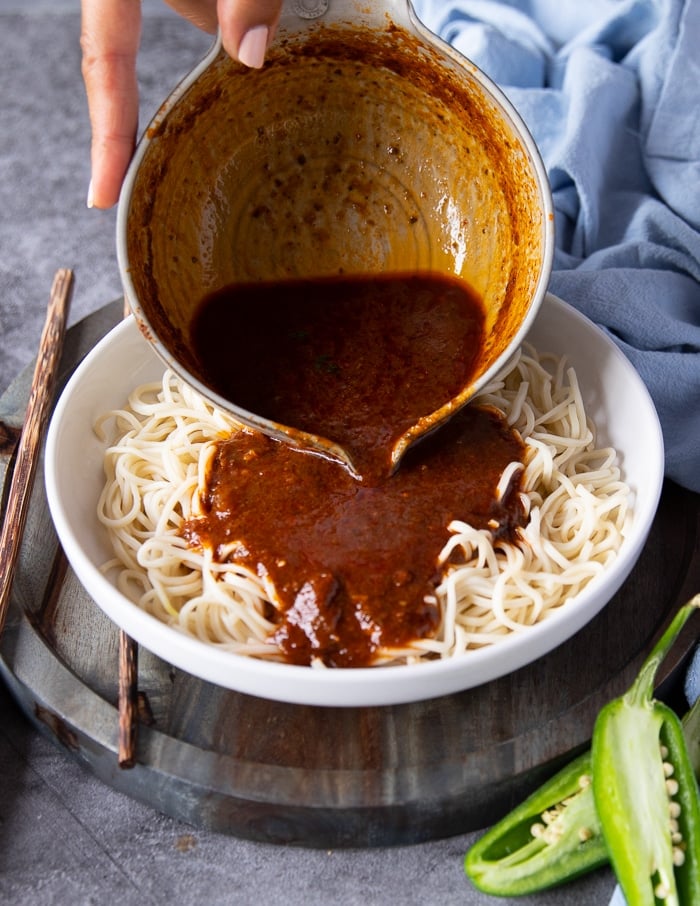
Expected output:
(128, 686)
(29, 444)
(128, 700)
(28, 447)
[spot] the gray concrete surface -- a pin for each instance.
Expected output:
(65, 838)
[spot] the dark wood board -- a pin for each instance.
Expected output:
(327, 777)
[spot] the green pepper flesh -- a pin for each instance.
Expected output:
(511, 860)
(686, 814)
(640, 767)
(642, 809)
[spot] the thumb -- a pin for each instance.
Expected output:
(247, 28)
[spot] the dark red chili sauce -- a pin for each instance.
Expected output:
(352, 359)
(354, 563)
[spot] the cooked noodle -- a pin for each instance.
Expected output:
(576, 501)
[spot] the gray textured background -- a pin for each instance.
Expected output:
(64, 836)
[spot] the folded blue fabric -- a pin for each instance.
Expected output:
(692, 679)
(610, 90)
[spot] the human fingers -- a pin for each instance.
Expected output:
(201, 13)
(247, 27)
(109, 39)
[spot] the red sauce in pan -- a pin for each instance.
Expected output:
(356, 360)
(354, 563)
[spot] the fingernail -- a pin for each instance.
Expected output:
(251, 51)
(90, 196)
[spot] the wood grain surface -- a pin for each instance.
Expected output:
(323, 776)
(31, 434)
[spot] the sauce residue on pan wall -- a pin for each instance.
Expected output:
(354, 149)
(354, 563)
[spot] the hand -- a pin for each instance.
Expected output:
(110, 36)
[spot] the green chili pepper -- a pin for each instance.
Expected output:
(552, 837)
(645, 790)
(557, 834)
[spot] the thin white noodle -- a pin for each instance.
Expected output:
(577, 502)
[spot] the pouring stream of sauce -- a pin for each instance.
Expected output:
(357, 360)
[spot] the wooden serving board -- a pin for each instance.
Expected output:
(322, 776)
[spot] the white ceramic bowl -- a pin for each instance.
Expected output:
(614, 396)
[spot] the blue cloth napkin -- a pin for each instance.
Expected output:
(610, 90)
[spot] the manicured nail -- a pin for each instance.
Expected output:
(251, 51)
(90, 196)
